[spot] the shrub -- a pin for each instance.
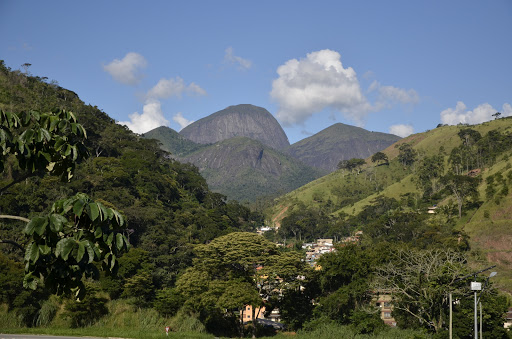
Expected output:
(168, 301)
(85, 312)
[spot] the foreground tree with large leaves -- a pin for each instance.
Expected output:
(64, 244)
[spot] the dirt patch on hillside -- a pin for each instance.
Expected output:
(504, 213)
(277, 219)
(498, 248)
(392, 151)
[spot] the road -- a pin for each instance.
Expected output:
(40, 336)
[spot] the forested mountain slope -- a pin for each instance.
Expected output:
(241, 168)
(451, 169)
(171, 141)
(167, 204)
(246, 169)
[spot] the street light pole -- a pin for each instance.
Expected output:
(476, 286)
(451, 316)
(481, 321)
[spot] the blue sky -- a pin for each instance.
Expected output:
(388, 66)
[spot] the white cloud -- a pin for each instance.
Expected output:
(126, 70)
(401, 130)
(368, 75)
(181, 120)
(151, 118)
(307, 86)
(390, 95)
(483, 112)
(507, 110)
(231, 58)
(166, 88)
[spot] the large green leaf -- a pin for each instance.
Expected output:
(109, 239)
(37, 225)
(90, 250)
(46, 134)
(119, 241)
(112, 262)
(78, 207)
(93, 211)
(57, 222)
(40, 228)
(29, 281)
(64, 247)
(98, 232)
(81, 251)
(32, 252)
(44, 249)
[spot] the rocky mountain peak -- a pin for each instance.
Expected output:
(238, 121)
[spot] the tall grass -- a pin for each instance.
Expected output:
(47, 312)
(124, 320)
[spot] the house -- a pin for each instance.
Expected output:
(432, 210)
(508, 319)
(247, 314)
(263, 229)
(383, 302)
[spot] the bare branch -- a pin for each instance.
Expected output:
(15, 217)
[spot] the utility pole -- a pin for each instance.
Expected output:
(476, 286)
(481, 322)
(451, 316)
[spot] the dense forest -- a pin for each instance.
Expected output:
(195, 258)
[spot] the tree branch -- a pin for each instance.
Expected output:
(14, 243)
(15, 217)
(17, 180)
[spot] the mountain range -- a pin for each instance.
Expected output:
(244, 153)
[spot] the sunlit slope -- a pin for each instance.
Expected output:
(393, 180)
(488, 225)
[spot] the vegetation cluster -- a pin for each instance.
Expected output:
(194, 259)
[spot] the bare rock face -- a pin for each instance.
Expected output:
(238, 121)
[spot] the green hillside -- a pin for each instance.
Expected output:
(348, 197)
(168, 205)
(171, 141)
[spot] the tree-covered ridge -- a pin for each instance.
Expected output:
(167, 205)
(172, 142)
(241, 168)
(462, 173)
(245, 169)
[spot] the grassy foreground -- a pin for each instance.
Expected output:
(126, 321)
